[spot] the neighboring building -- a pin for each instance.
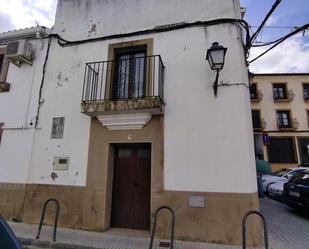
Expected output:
(129, 120)
(280, 108)
(20, 81)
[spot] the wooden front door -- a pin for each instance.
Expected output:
(131, 187)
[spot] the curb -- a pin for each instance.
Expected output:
(52, 245)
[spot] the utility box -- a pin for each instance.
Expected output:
(61, 163)
(196, 201)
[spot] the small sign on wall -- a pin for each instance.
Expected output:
(61, 163)
(266, 138)
(196, 201)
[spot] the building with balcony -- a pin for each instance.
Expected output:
(280, 107)
(128, 121)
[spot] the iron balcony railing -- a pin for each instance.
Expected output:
(137, 77)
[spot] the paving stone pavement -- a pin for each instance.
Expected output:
(287, 230)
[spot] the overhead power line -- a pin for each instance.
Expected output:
(273, 8)
(280, 40)
(275, 27)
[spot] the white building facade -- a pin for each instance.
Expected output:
(129, 121)
(19, 96)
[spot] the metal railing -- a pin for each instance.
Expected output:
(244, 228)
(287, 95)
(155, 225)
(43, 215)
(137, 77)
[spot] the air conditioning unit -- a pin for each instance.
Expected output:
(19, 52)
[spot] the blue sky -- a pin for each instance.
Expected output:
(291, 56)
(293, 13)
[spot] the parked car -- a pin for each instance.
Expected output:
(282, 175)
(275, 190)
(296, 192)
(8, 239)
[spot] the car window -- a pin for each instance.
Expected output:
(295, 172)
(280, 172)
(296, 179)
(305, 180)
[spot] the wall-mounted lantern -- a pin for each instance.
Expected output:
(215, 56)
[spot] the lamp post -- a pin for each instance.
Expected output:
(215, 56)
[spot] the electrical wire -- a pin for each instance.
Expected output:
(273, 8)
(275, 27)
(42, 82)
(65, 43)
(280, 40)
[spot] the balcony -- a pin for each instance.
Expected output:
(287, 126)
(256, 96)
(125, 93)
(279, 97)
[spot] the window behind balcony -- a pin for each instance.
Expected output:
(253, 91)
(281, 150)
(129, 78)
(256, 119)
(306, 91)
(284, 119)
(280, 91)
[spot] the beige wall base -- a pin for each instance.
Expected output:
(219, 221)
(11, 200)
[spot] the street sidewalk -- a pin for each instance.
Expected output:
(78, 239)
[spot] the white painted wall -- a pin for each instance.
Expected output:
(62, 94)
(75, 19)
(18, 110)
(208, 142)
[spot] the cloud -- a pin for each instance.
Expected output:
(27, 13)
(6, 22)
(290, 56)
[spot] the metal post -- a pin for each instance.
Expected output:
(43, 215)
(215, 86)
(244, 228)
(155, 224)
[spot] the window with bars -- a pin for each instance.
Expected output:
(57, 127)
(306, 91)
(129, 79)
(280, 91)
(284, 119)
(256, 119)
(281, 150)
(253, 91)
